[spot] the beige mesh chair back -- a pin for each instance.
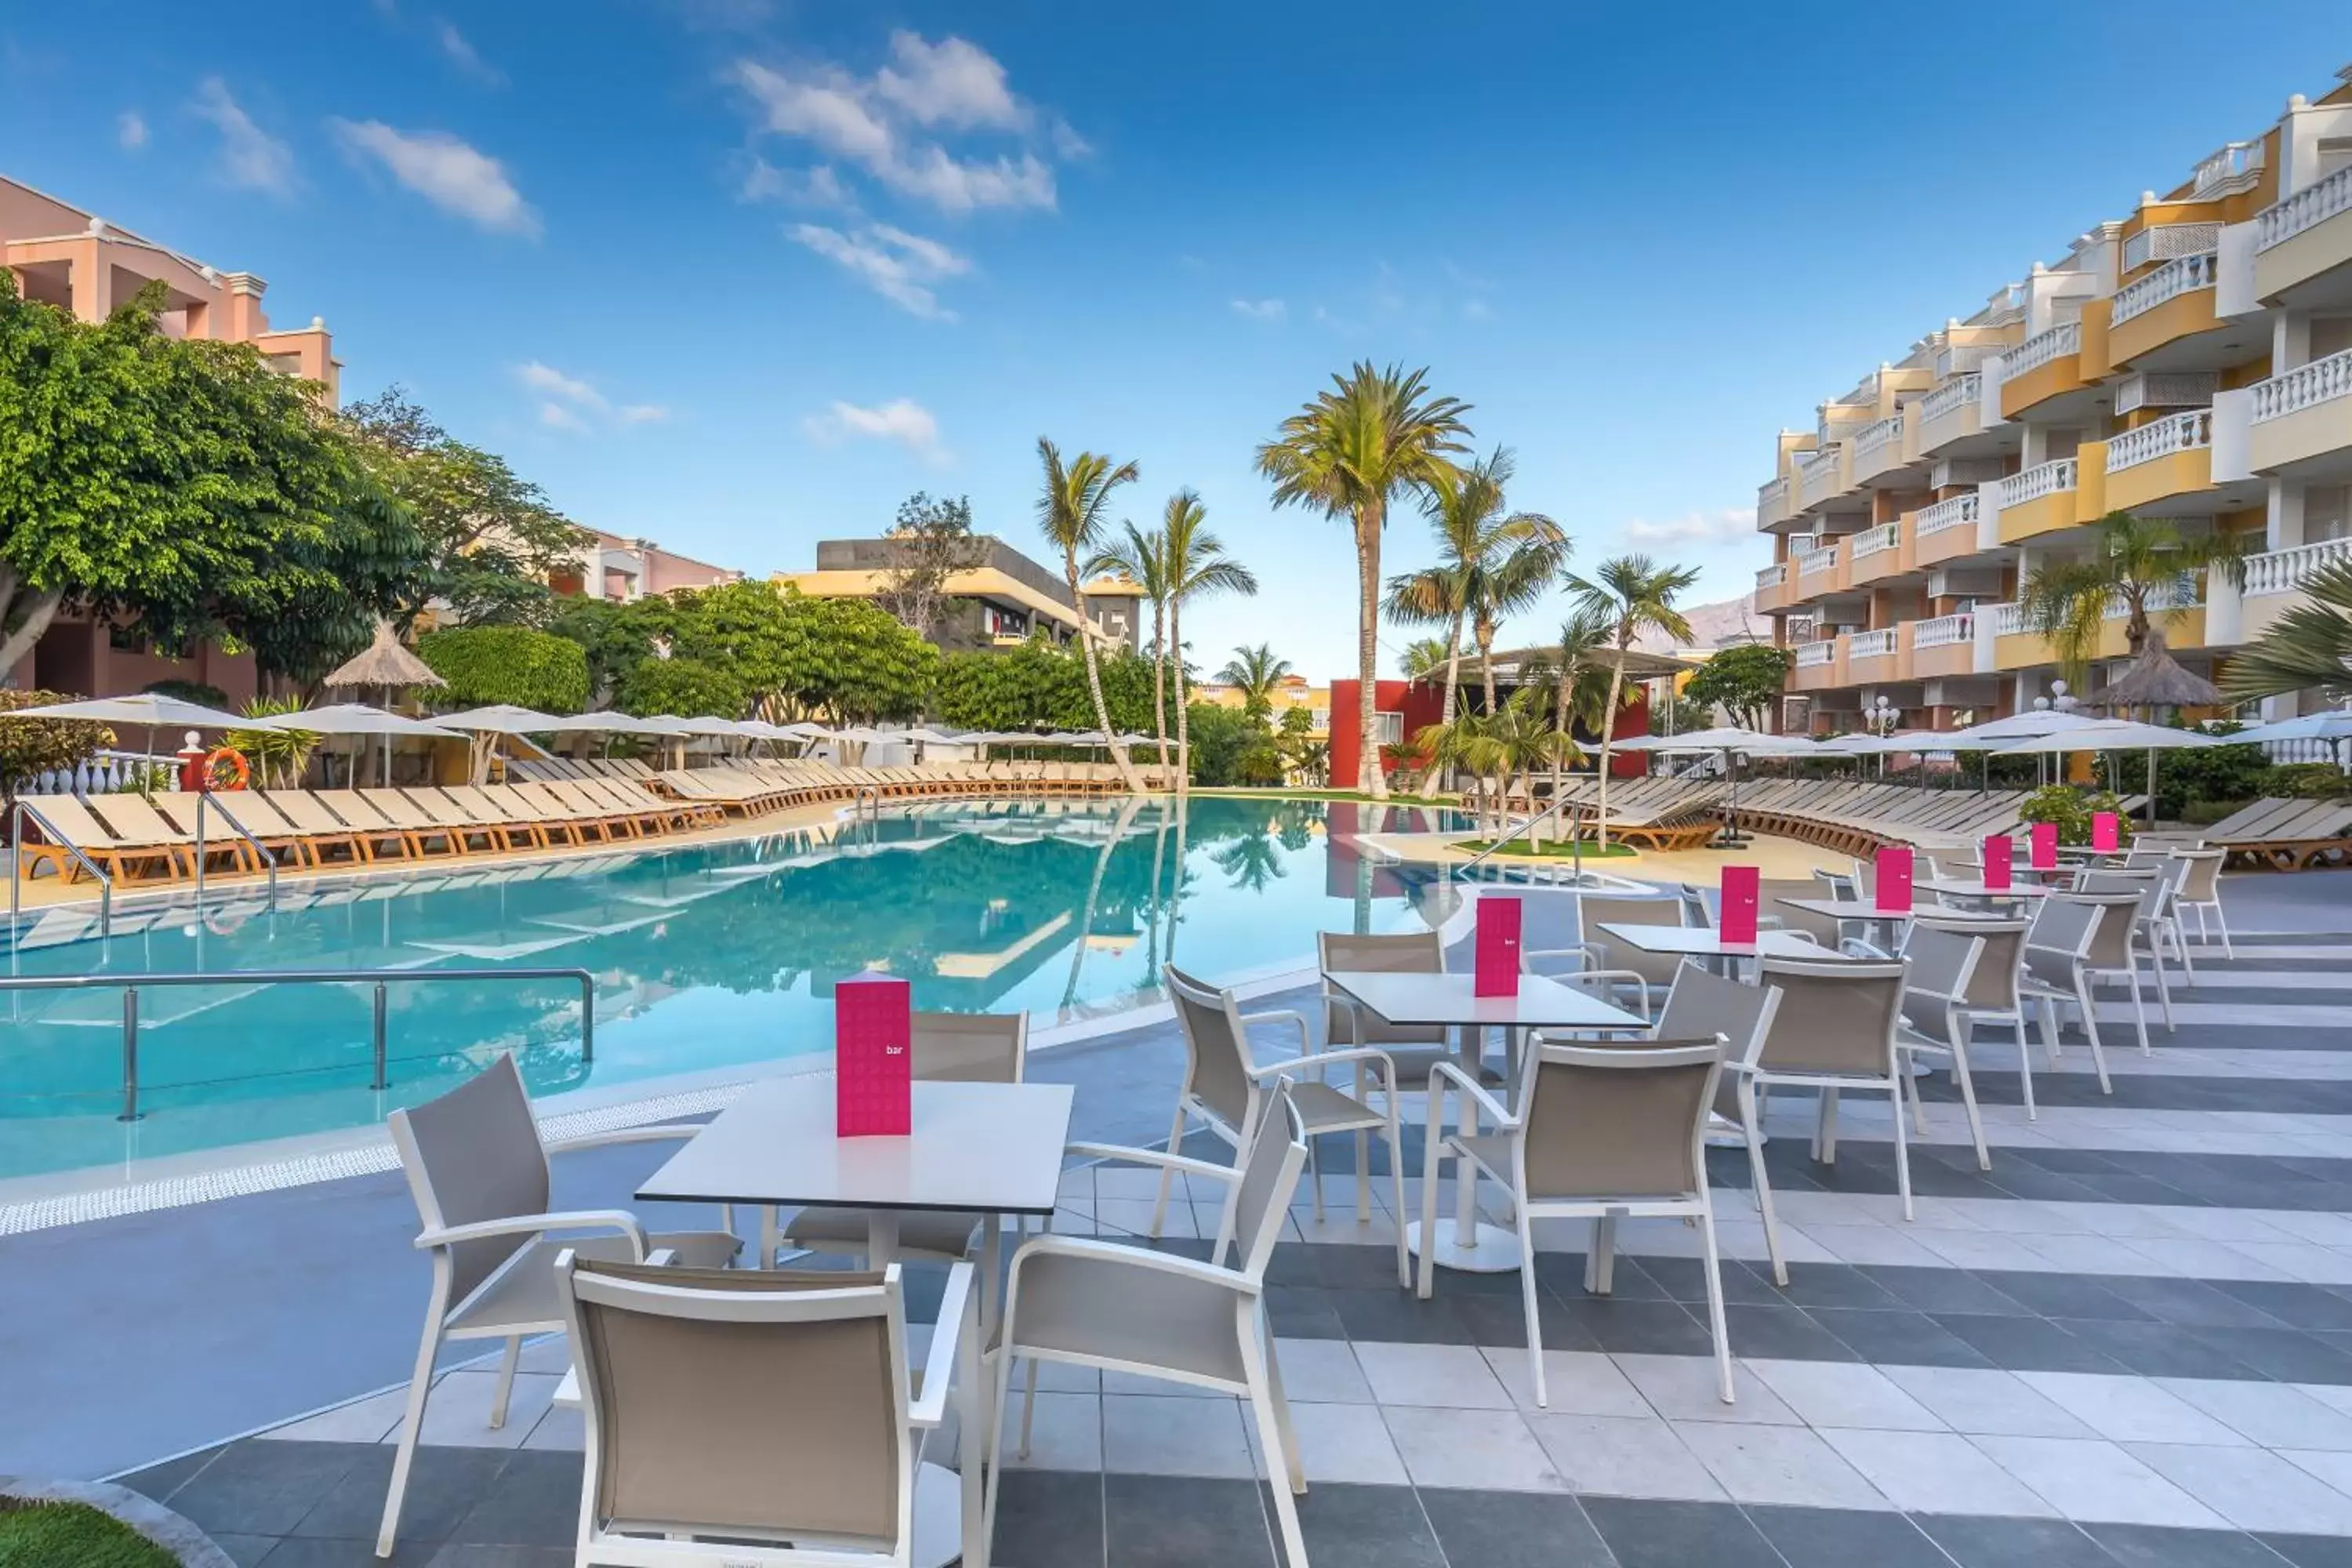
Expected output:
(2073, 939)
(969, 1047)
(1836, 1032)
(1219, 1072)
(1944, 956)
(1413, 1047)
(2201, 894)
(1704, 1006)
(1620, 964)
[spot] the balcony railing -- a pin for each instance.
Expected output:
(1870, 644)
(1960, 359)
(1817, 474)
(2178, 433)
(1821, 652)
(2008, 620)
(2167, 389)
(1944, 631)
(1877, 541)
(2321, 381)
(1814, 562)
(2285, 571)
(1953, 395)
(2178, 277)
(1773, 492)
(1871, 437)
(1773, 576)
(2314, 203)
(2041, 480)
(1955, 512)
(2163, 241)
(2065, 338)
(2236, 165)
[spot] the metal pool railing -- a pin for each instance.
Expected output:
(132, 984)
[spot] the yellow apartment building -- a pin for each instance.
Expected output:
(2191, 360)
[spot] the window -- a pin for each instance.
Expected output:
(2326, 513)
(1388, 728)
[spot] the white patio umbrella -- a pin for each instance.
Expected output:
(358, 719)
(2117, 735)
(2335, 724)
(506, 719)
(147, 709)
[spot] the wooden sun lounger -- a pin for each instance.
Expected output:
(551, 806)
(320, 827)
(521, 829)
(367, 818)
(2319, 833)
(260, 815)
(466, 826)
(119, 858)
(135, 820)
(409, 817)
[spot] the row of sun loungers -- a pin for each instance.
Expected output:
(1648, 812)
(1856, 818)
(2286, 834)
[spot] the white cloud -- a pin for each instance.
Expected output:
(131, 131)
(902, 420)
(250, 158)
(1261, 310)
(464, 56)
(886, 124)
(573, 402)
(1731, 525)
(899, 265)
(813, 187)
(642, 414)
(953, 83)
(555, 417)
(542, 377)
(445, 170)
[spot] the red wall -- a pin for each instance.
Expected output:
(1422, 703)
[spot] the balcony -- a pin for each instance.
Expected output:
(1943, 646)
(1772, 588)
(2037, 501)
(2302, 245)
(1772, 502)
(2161, 462)
(1875, 553)
(2302, 421)
(1821, 665)
(2275, 584)
(2045, 365)
(1876, 645)
(1820, 475)
(1817, 571)
(2167, 320)
(1877, 447)
(2161, 242)
(1814, 654)
(2235, 170)
(1952, 412)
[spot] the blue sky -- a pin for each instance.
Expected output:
(740, 275)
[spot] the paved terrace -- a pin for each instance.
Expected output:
(2128, 1343)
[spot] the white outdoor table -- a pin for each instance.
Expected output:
(1884, 925)
(1977, 890)
(1449, 1001)
(1707, 943)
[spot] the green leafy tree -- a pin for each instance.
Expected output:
(615, 637)
(1142, 554)
(1347, 454)
(930, 542)
(1627, 596)
(29, 747)
(1197, 567)
(1220, 737)
(1039, 686)
(1306, 757)
(1744, 680)
(864, 666)
(1073, 513)
(517, 664)
(1256, 673)
(2307, 649)
(1579, 692)
(687, 686)
(2145, 563)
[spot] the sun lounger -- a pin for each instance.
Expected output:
(2313, 833)
(135, 821)
(366, 817)
(521, 829)
(258, 815)
(71, 821)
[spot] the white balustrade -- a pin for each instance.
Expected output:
(2314, 203)
(1870, 644)
(1877, 541)
(2175, 277)
(1773, 492)
(1773, 576)
(2285, 571)
(1953, 394)
(2178, 433)
(1814, 562)
(2034, 483)
(2007, 620)
(2310, 750)
(1960, 359)
(2321, 381)
(1943, 631)
(2065, 338)
(1871, 437)
(1817, 652)
(1817, 474)
(1957, 511)
(2238, 162)
(2163, 241)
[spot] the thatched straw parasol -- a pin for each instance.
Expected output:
(386, 662)
(2156, 680)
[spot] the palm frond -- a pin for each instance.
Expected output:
(2308, 648)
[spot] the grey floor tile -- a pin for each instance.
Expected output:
(1515, 1530)
(443, 1486)
(1896, 1338)
(1822, 1536)
(1643, 1535)
(2190, 1303)
(347, 1552)
(534, 1502)
(1394, 1316)
(2161, 1349)
(1641, 1328)
(263, 1488)
(1834, 1284)
(2062, 1295)
(2312, 1550)
(160, 1481)
(1975, 1541)
(1783, 1334)
(467, 1555)
(2290, 1355)
(1181, 1521)
(246, 1550)
(1929, 1290)
(1049, 1519)
(2027, 1345)
(2297, 1306)
(2150, 1546)
(1366, 1527)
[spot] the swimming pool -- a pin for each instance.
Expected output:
(707, 957)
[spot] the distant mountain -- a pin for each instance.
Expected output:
(1727, 620)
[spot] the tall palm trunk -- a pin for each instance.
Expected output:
(1453, 683)
(1484, 630)
(1370, 778)
(1566, 726)
(1608, 739)
(1183, 721)
(1126, 774)
(1160, 679)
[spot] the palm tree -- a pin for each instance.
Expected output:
(2309, 646)
(1579, 691)
(1070, 513)
(1254, 672)
(1196, 565)
(2144, 563)
(1423, 655)
(1346, 454)
(1627, 596)
(1143, 556)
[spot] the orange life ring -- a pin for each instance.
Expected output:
(233, 759)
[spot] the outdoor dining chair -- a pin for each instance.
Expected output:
(1944, 957)
(1704, 1003)
(1112, 1307)
(1224, 1082)
(2153, 926)
(1600, 1131)
(1995, 994)
(1617, 966)
(2075, 941)
(746, 1416)
(1413, 1049)
(1834, 1032)
(2201, 892)
(478, 1171)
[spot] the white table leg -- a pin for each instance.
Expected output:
(881, 1238)
(1475, 1246)
(992, 1270)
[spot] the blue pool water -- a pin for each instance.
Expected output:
(703, 957)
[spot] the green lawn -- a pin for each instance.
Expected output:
(1546, 850)
(69, 1535)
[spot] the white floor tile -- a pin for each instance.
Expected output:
(2250, 1488)
(1321, 1371)
(1347, 1443)
(2195, 1259)
(2095, 1480)
(2275, 1415)
(1843, 1394)
(2128, 1409)
(1874, 1244)
(1936, 1472)
(561, 1429)
(2327, 1464)
(1065, 1432)
(551, 1354)
(1637, 1457)
(1576, 1382)
(1983, 1400)
(1684, 1388)
(1133, 1216)
(373, 1419)
(1175, 1437)
(1484, 1450)
(459, 1414)
(1454, 1377)
(1786, 1464)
